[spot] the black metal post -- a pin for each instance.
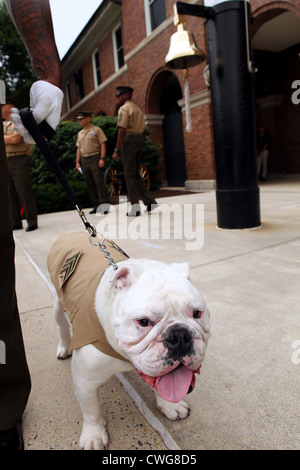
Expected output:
(237, 192)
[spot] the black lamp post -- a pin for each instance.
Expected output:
(231, 80)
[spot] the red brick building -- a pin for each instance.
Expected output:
(125, 43)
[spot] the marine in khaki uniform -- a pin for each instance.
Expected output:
(36, 32)
(91, 151)
(131, 127)
(18, 161)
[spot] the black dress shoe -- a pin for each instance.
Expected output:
(30, 228)
(93, 211)
(12, 439)
(151, 206)
(17, 227)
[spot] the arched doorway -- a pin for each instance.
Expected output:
(163, 96)
(276, 47)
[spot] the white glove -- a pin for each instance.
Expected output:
(45, 104)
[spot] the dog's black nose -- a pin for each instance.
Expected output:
(179, 343)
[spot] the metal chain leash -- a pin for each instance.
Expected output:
(102, 247)
(93, 233)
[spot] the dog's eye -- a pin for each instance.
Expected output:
(197, 313)
(144, 322)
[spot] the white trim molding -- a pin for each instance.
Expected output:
(196, 100)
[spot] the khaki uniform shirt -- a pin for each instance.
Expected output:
(89, 141)
(76, 267)
(131, 117)
(15, 149)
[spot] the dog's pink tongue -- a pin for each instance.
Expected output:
(175, 385)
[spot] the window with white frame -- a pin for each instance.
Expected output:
(96, 68)
(78, 78)
(155, 14)
(118, 47)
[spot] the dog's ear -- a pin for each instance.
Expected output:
(181, 268)
(122, 279)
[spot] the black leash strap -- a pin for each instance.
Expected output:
(38, 133)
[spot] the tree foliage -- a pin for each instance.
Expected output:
(15, 66)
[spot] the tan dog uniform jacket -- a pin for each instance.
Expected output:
(76, 267)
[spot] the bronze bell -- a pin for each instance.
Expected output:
(183, 52)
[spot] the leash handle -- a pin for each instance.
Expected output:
(31, 125)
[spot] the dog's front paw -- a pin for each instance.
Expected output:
(94, 438)
(173, 411)
(62, 352)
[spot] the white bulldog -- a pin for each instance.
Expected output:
(153, 317)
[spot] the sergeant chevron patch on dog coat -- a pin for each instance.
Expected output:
(68, 268)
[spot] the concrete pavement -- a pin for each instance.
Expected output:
(247, 396)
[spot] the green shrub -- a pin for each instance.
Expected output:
(50, 196)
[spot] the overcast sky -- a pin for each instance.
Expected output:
(69, 18)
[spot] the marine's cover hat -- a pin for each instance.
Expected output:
(83, 114)
(124, 89)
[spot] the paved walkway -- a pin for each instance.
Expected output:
(247, 396)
